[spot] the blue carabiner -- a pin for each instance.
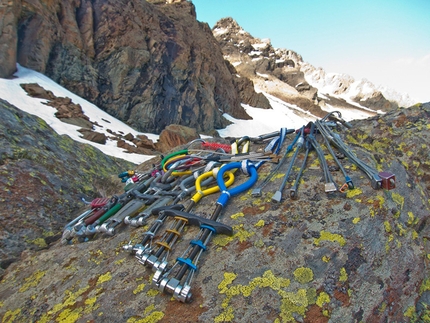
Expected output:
(225, 193)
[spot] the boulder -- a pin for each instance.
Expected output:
(36, 91)
(175, 135)
(93, 136)
(143, 141)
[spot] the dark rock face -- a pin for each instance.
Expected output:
(9, 13)
(148, 64)
(43, 175)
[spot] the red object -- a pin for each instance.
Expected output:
(215, 146)
(99, 202)
(388, 180)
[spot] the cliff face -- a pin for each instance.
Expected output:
(149, 64)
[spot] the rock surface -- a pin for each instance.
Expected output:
(361, 256)
(148, 63)
(43, 176)
(175, 135)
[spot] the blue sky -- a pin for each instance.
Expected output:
(385, 41)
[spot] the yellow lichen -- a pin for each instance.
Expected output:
(32, 281)
(328, 236)
(356, 220)
(104, 278)
(228, 279)
(411, 218)
(259, 243)
(400, 200)
(90, 301)
(241, 234)
(387, 226)
(425, 286)
(152, 292)
(69, 316)
(343, 275)
(139, 288)
(259, 224)
(402, 231)
(325, 258)
(323, 298)
(226, 316)
(410, 311)
(120, 261)
(353, 192)
(303, 275)
(10, 316)
(267, 280)
(237, 215)
(40, 242)
(153, 317)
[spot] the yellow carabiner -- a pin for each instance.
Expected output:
(172, 160)
(200, 193)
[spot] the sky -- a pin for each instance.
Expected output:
(264, 121)
(385, 41)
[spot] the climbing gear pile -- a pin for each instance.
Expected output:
(155, 198)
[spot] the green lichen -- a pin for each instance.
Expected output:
(323, 298)
(303, 275)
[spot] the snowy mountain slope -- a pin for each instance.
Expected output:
(346, 87)
(282, 114)
(284, 74)
(11, 91)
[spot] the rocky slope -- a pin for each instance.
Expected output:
(362, 256)
(43, 177)
(284, 74)
(148, 63)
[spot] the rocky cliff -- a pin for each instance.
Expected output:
(358, 256)
(148, 63)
